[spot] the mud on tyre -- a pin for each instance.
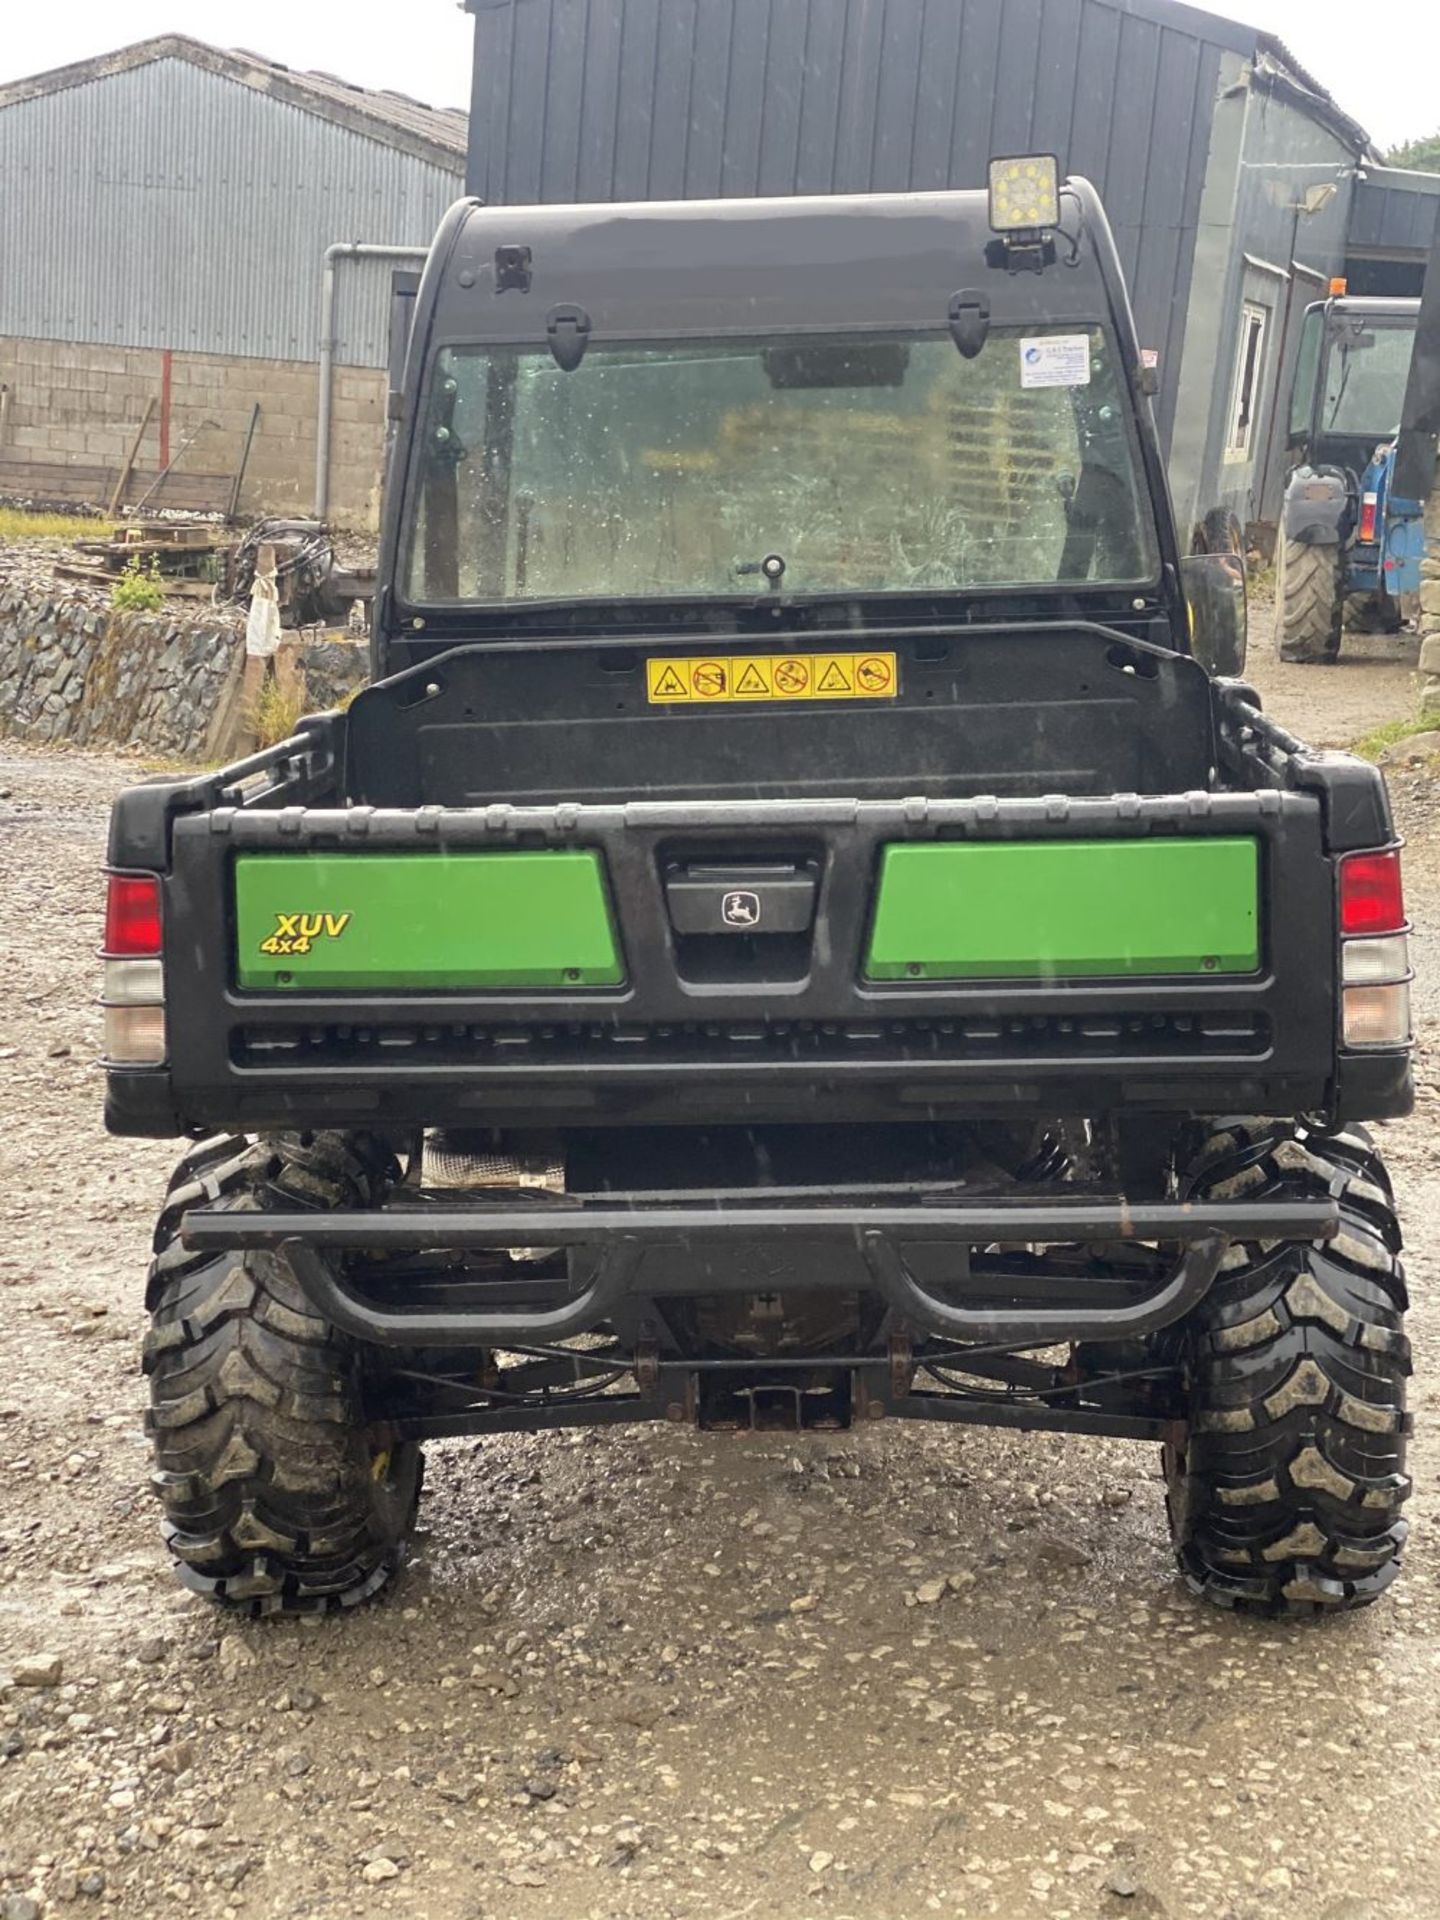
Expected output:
(278, 1498)
(1309, 603)
(1286, 1495)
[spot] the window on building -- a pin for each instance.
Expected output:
(1249, 383)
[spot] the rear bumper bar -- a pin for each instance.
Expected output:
(622, 1237)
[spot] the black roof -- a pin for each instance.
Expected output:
(707, 268)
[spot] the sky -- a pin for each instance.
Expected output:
(1380, 58)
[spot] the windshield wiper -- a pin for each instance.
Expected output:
(1344, 382)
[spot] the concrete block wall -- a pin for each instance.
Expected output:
(71, 411)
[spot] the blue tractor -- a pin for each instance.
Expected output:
(1351, 543)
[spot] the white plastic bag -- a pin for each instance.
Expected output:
(262, 627)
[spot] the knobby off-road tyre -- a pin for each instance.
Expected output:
(1286, 1495)
(277, 1497)
(1309, 603)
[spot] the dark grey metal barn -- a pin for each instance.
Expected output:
(1228, 172)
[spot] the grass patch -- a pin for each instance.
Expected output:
(17, 524)
(139, 588)
(277, 712)
(1371, 745)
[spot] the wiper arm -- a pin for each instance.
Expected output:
(1340, 392)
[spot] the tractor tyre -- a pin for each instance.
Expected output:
(1374, 613)
(1219, 532)
(1309, 603)
(278, 1497)
(1285, 1495)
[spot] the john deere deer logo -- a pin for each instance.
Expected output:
(741, 909)
(298, 932)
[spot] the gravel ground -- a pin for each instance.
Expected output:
(659, 1674)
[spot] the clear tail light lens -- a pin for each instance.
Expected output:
(1376, 1016)
(1380, 962)
(1369, 513)
(134, 1036)
(134, 983)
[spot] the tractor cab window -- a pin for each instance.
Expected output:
(813, 465)
(1307, 372)
(1365, 378)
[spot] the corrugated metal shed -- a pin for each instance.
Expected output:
(648, 99)
(1394, 211)
(174, 196)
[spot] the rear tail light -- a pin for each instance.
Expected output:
(1372, 898)
(134, 1036)
(134, 991)
(1369, 513)
(1374, 951)
(1374, 963)
(1377, 1016)
(132, 915)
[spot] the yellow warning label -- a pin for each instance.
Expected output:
(716, 680)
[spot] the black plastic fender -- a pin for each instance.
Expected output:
(1318, 510)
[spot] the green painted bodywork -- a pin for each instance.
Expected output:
(424, 921)
(1065, 909)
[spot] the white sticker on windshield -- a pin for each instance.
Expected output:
(1056, 360)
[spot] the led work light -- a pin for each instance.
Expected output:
(1025, 194)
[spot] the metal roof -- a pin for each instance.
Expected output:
(437, 134)
(1278, 68)
(197, 212)
(1396, 211)
(1198, 22)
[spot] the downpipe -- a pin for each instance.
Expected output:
(324, 412)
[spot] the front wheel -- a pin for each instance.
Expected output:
(1309, 603)
(1286, 1493)
(278, 1497)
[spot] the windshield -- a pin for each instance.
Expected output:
(1365, 381)
(863, 465)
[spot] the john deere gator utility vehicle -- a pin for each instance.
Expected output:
(807, 926)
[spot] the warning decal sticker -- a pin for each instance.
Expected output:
(712, 681)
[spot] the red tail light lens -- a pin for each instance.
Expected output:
(132, 916)
(1372, 899)
(1369, 508)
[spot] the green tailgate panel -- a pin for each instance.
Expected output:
(1066, 909)
(423, 921)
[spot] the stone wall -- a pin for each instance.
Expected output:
(70, 670)
(175, 682)
(1430, 616)
(68, 415)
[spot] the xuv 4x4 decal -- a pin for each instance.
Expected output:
(298, 932)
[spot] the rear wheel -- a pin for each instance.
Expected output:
(1219, 532)
(1310, 603)
(1375, 613)
(1286, 1495)
(278, 1497)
